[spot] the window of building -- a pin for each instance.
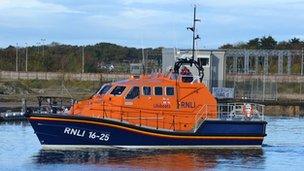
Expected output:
(104, 89)
(170, 91)
(203, 61)
(118, 90)
(158, 91)
(133, 93)
(147, 91)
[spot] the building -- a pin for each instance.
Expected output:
(136, 68)
(213, 62)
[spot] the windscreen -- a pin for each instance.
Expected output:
(104, 89)
(118, 90)
(133, 93)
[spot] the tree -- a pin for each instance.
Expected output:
(295, 43)
(227, 46)
(268, 43)
(283, 45)
(254, 43)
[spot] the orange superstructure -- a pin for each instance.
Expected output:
(159, 101)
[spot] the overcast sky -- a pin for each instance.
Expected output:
(147, 23)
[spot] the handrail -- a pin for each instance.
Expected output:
(199, 116)
(157, 118)
(175, 119)
(234, 111)
(179, 77)
(158, 110)
(147, 110)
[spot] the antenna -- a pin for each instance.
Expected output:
(143, 60)
(194, 35)
(182, 61)
(143, 56)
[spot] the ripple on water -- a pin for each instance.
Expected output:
(154, 159)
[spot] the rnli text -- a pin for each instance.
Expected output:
(83, 133)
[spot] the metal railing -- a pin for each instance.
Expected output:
(170, 120)
(202, 114)
(187, 78)
(231, 111)
(241, 111)
(177, 120)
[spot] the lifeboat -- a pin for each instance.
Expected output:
(157, 110)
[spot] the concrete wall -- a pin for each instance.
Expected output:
(12, 75)
(284, 110)
(271, 78)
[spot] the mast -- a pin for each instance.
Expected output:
(143, 61)
(191, 61)
(194, 35)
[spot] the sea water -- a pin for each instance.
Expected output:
(283, 149)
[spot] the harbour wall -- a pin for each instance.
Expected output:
(269, 78)
(284, 110)
(13, 75)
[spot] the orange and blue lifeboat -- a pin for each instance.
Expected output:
(152, 111)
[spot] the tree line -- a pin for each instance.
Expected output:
(266, 42)
(57, 57)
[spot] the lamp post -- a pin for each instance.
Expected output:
(82, 61)
(16, 57)
(302, 60)
(43, 40)
(38, 44)
(26, 56)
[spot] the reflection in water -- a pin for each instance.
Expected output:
(155, 159)
(15, 123)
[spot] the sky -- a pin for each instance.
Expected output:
(147, 23)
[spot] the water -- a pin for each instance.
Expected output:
(283, 149)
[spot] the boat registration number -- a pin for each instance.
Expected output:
(86, 134)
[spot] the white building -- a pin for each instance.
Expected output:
(213, 63)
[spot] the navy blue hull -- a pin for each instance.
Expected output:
(75, 130)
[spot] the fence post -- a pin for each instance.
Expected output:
(103, 110)
(300, 93)
(276, 87)
(263, 87)
(163, 119)
(173, 122)
(121, 113)
(300, 90)
(156, 120)
(139, 117)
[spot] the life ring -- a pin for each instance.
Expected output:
(247, 110)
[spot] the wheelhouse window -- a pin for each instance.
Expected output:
(118, 90)
(147, 91)
(158, 91)
(104, 89)
(133, 93)
(170, 91)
